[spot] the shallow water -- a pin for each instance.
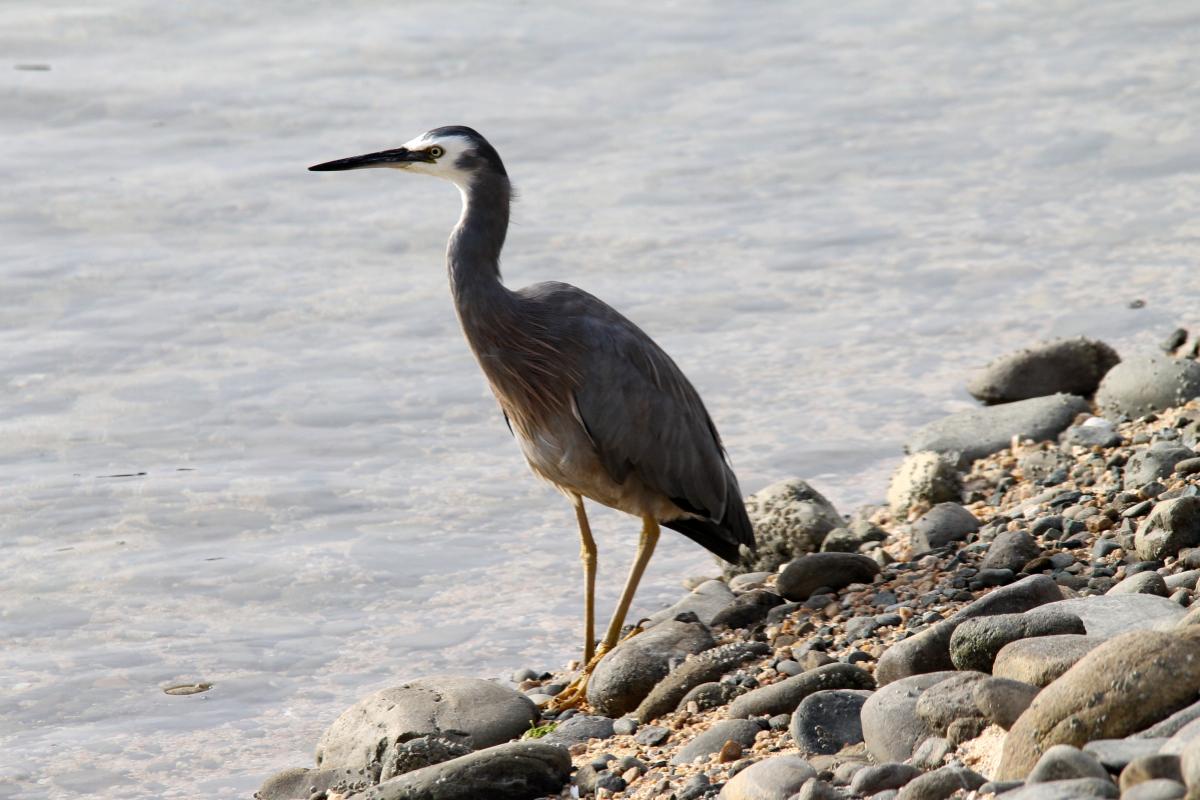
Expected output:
(242, 440)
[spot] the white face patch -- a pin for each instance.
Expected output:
(445, 166)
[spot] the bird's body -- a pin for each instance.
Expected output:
(599, 410)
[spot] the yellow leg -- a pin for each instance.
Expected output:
(646, 543)
(587, 554)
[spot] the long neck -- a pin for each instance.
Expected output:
(473, 253)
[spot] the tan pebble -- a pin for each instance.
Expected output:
(630, 775)
(730, 751)
(578, 749)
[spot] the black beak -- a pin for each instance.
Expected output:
(383, 158)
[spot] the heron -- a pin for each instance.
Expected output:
(599, 410)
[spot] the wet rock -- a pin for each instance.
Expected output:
(747, 610)
(513, 771)
(1124, 685)
(1170, 527)
(625, 676)
(929, 651)
(941, 525)
(1109, 615)
(941, 783)
(1077, 789)
(1071, 366)
(832, 570)
(1041, 660)
(1063, 763)
(705, 601)
(891, 727)
(980, 432)
(714, 738)
(778, 776)
(875, 779)
(1010, 550)
(827, 721)
(953, 700)
(785, 696)
(923, 479)
(790, 518)
(975, 643)
(1142, 384)
(1154, 463)
(706, 667)
(474, 712)
(1115, 754)
(1141, 583)
(301, 782)
(1002, 700)
(580, 728)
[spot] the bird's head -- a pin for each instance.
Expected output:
(455, 153)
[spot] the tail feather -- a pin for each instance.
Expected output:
(722, 538)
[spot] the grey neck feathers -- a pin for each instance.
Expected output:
(473, 254)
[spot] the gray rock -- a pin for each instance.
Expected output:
(785, 696)
(979, 432)
(652, 735)
(1179, 741)
(891, 728)
(580, 728)
(1171, 526)
(1150, 767)
(941, 525)
(742, 731)
(1063, 763)
(474, 712)
(1092, 432)
(513, 771)
(953, 700)
(851, 538)
(1115, 754)
(1141, 583)
(790, 518)
(1073, 366)
(1145, 383)
(700, 669)
(1010, 550)
(300, 782)
(626, 675)
(816, 789)
(705, 601)
(748, 580)
(423, 751)
(1002, 700)
(747, 610)
(975, 643)
(931, 753)
(778, 776)
(1041, 660)
(1154, 463)
(1077, 789)
(707, 696)
(941, 783)
(872, 780)
(827, 721)
(929, 651)
(1172, 724)
(923, 479)
(1156, 789)
(1109, 615)
(832, 570)
(625, 726)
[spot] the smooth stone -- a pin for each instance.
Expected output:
(931, 753)
(1182, 580)
(1189, 763)
(1077, 789)
(1141, 583)
(747, 610)
(1179, 741)
(512, 771)
(1145, 383)
(941, 783)
(697, 670)
(1155, 789)
(976, 433)
(652, 735)
(1010, 550)
(874, 779)
(953, 700)
(627, 674)
(707, 696)
(302, 782)
(817, 789)
(705, 601)
(1042, 660)
(1149, 768)
(1092, 432)
(1115, 754)
(742, 731)
(923, 479)
(580, 728)
(1124, 685)
(891, 728)
(1172, 724)
(1073, 366)
(975, 643)
(1154, 463)
(772, 778)
(929, 651)
(1109, 615)
(833, 571)
(1171, 526)
(784, 697)
(941, 525)
(475, 712)
(1062, 762)
(1002, 701)
(625, 726)
(748, 580)
(825, 722)
(790, 518)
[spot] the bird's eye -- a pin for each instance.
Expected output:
(436, 152)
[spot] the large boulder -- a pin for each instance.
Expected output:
(470, 711)
(631, 670)
(1148, 382)
(1123, 686)
(790, 519)
(1073, 366)
(979, 432)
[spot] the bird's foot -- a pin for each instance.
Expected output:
(575, 695)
